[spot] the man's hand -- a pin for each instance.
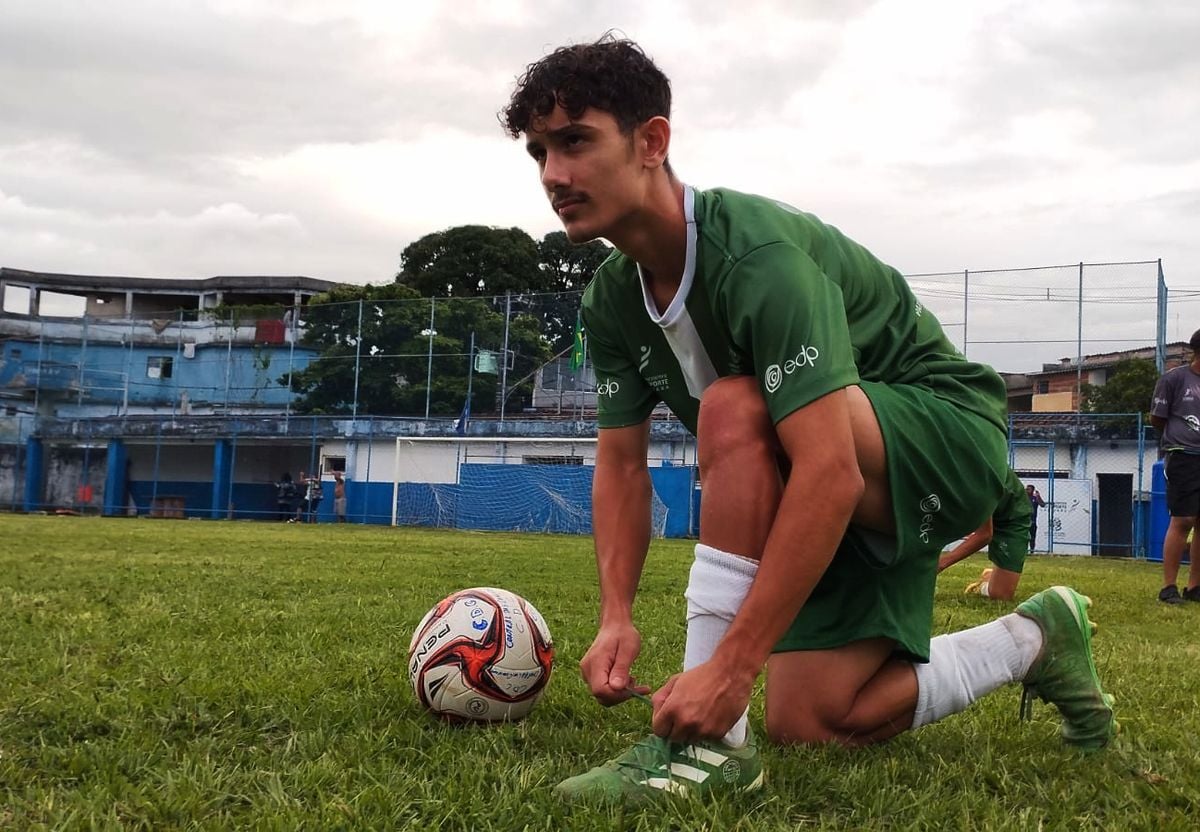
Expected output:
(701, 703)
(606, 665)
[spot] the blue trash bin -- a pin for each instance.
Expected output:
(1160, 518)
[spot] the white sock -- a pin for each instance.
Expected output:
(717, 585)
(964, 666)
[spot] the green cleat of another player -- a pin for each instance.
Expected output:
(655, 766)
(1063, 673)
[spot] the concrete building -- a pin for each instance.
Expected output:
(84, 348)
(1055, 387)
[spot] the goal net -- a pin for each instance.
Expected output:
(515, 484)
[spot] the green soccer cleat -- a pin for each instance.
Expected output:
(1063, 673)
(655, 766)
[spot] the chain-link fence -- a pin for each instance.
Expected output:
(498, 357)
(1019, 319)
(207, 409)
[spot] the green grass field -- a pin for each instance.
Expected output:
(171, 674)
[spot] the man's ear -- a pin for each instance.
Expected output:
(654, 141)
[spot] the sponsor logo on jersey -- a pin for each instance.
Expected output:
(609, 387)
(930, 506)
(773, 377)
(918, 309)
(660, 382)
(644, 361)
(1193, 422)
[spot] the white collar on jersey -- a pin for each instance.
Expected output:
(689, 269)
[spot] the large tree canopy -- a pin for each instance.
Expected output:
(568, 266)
(471, 274)
(472, 261)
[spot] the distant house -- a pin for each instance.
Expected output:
(91, 345)
(1055, 388)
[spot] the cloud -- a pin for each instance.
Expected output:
(308, 137)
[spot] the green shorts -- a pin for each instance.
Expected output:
(947, 469)
(1008, 552)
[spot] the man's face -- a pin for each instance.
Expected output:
(1029, 490)
(589, 169)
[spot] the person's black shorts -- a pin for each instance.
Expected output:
(1183, 484)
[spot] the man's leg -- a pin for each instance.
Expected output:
(1174, 542)
(866, 695)
(1192, 593)
(742, 486)
(1000, 584)
(860, 693)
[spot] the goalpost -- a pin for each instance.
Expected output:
(530, 484)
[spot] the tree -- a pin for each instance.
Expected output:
(570, 266)
(1129, 388)
(472, 261)
(568, 269)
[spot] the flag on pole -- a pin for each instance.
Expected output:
(577, 349)
(460, 425)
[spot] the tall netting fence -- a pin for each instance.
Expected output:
(524, 484)
(1020, 319)
(328, 380)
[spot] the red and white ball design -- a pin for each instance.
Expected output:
(481, 655)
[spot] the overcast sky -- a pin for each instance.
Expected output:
(187, 139)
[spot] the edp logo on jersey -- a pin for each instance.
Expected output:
(773, 377)
(608, 388)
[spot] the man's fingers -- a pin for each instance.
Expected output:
(618, 676)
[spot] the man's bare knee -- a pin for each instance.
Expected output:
(798, 728)
(734, 419)
(811, 729)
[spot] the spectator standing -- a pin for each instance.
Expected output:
(1035, 502)
(312, 497)
(1175, 414)
(285, 497)
(339, 497)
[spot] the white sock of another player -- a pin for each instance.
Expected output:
(964, 666)
(717, 585)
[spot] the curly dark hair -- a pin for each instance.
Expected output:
(612, 74)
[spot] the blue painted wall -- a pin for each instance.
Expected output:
(252, 378)
(550, 498)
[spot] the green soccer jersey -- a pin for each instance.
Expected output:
(1010, 526)
(771, 292)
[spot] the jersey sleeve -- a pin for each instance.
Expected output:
(789, 318)
(1010, 526)
(1160, 405)
(623, 397)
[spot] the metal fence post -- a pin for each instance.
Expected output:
(1079, 345)
(429, 368)
(357, 358)
(1160, 335)
(504, 357)
(966, 296)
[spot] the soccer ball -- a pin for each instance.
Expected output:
(480, 655)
